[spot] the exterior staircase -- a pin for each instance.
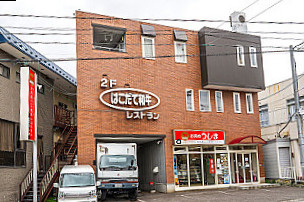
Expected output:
(63, 153)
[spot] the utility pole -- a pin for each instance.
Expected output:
(297, 105)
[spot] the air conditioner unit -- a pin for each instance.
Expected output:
(238, 22)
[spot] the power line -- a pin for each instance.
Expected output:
(145, 19)
(140, 57)
(266, 9)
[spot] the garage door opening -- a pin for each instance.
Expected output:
(150, 158)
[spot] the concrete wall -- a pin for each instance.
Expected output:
(162, 76)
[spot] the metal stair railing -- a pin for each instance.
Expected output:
(52, 173)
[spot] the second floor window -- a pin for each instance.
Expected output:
(237, 102)
(219, 101)
(204, 100)
(240, 55)
(249, 103)
(189, 100)
(180, 52)
(148, 49)
(264, 116)
(253, 57)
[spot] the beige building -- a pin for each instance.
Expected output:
(279, 129)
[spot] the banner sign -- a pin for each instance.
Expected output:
(211, 166)
(188, 137)
(28, 104)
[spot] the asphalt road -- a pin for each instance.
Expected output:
(283, 194)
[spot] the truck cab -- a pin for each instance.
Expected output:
(117, 170)
(76, 183)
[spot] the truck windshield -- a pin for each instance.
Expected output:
(77, 180)
(117, 161)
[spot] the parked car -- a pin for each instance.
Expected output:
(76, 183)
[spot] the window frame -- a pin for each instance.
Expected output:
(263, 110)
(239, 100)
(18, 77)
(252, 53)
(192, 99)
(104, 48)
(240, 53)
(247, 106)
(178, 58)
(9, 71)
(200, 100)
(143, 47)
(222, 101)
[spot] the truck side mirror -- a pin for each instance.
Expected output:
(56, 185)
(132, 162)
(94, 162)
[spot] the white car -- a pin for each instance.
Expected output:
(76, 183)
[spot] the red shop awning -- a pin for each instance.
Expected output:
(253, 139)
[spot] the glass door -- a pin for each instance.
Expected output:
(247, 168)
(254, 167)
(195, 170)
(181, 170)
(209, 169)
(234, 170)
(240, 167)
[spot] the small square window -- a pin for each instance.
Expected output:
(189, 100)
(253, 57)
(204, 100)
(40, 88)
(249, 103)
(17, 77)
(237, 102)
(180, 52)
(240, 55)
(148, 49)
(4, 71)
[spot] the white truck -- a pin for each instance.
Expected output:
(116, 169)
(76, 183)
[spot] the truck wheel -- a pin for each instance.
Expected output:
(102, 194)
(133, 195)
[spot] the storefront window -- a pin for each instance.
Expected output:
(182, 170)
(208, 148)
(222, 168)
(195, 149)
(209, 169)
(179, 149)
(195, 170)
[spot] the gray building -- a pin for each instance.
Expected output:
(56, 88)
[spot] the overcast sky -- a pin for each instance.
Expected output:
(276, 65)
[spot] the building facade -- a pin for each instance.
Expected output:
(54, 86)
(279, 127)
(193, 96)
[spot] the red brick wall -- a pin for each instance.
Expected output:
(161, 76)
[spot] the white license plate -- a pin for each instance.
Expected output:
(118, 185)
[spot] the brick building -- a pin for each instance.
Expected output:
(200, 125)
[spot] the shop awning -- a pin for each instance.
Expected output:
(250, 139)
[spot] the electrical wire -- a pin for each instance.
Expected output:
(145, 19)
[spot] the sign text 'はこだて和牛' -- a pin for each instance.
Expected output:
(134, 101)
(186, 137)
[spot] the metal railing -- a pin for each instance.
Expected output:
(64, 116)
(52, 173)
(288, 173)
(27, 181)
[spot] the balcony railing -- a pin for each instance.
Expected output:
(64, 117)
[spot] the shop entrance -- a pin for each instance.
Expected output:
(244, 167)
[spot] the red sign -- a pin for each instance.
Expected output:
(182, 137)
(32, 104)
(211, 166)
